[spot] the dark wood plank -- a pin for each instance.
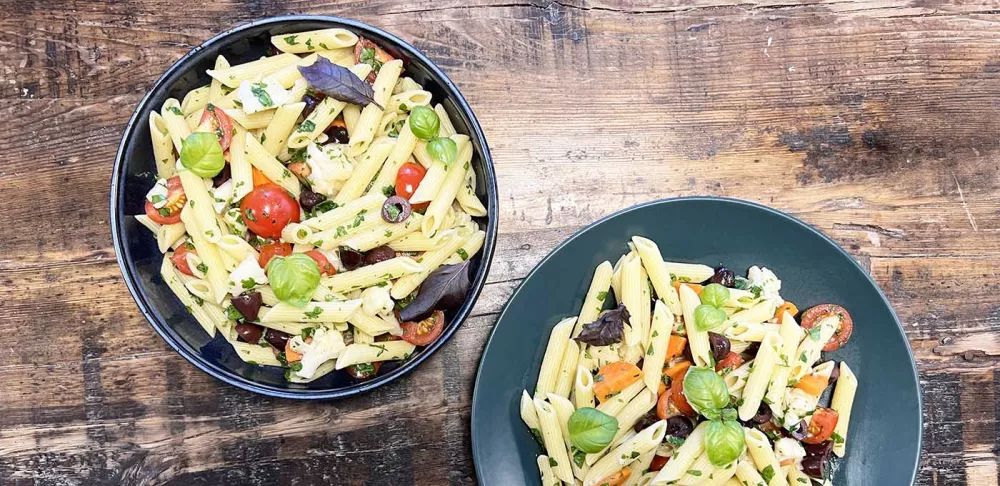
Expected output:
(874, 121)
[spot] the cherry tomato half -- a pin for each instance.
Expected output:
(375, 54)
(324, 265)
(180, 259)
(663, 405)
(364, 371)
(171, 212)
(677, 396)
(731, 361)
(268, 209)
(821, 425)
(271, 250)
(215, 120)
(408, 179)
(843, 334)
(424, 332)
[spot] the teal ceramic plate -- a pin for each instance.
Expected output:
(884, 438)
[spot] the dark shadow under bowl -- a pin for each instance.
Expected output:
(135, 173)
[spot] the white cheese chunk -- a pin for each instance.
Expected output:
(329, 167)
(158, 194)
(246, 276)
(262, 95)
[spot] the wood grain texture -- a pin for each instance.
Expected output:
(875, 121)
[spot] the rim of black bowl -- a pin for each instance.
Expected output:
(173, 339)
(899, 326)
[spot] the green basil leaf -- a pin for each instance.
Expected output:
(293, 278)
(714, 295)
(591, 430)
(443, 149)
(201, 153)
(424, 122)
(707, 317)
(724, 441)
(706, 391)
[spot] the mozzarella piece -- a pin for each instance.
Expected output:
(262, 95)
(222, 195)
(246, 276)
(158, 194)
(376, 300)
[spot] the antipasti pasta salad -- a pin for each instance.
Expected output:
(314, 208)
(681, 374)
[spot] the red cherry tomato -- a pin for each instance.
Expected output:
(268, 209)
(843, 334)
(213, 119)
(424, 332)
(324, 265)
(171, 212)
(271, 250)
(364, 371)
(821, 425)
(180, 260)
(408, 179)
(658, 463)
(731, 361)
(374, 55)
(663, 405)
(677, 396)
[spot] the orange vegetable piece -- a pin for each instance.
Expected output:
(675, 347)
(290, 354)
(693, 286)
(813, 384)
(677, 371)
(615, 377)
(616, 479)
(259, 179)
(786, 307)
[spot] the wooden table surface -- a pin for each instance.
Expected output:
(878, 122)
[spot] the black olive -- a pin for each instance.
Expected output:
(834, 374)
(645, 421)
(800, 431)
(720, 346)
(379, 254)
(308, 199)
(248, 303)
(814, 466)
(311, 99)
(250, 333)
(222, 177)
(277, 339)
(752, 349)
(723, 276)
(679, 426)
(351, 258)
(389, 366)
(763, 414)
(823, 449)
(395, 209)
(337, 133)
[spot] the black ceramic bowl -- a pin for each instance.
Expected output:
(883, 443)
(134, 175)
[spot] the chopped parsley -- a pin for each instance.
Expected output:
(313, 314)
(579, 457)
(233, 314)
(248, 283)
(381, 349)
(259, 90)
(552, 462)
(602, 295)
(694, 472)
(306, 126)
(290, 40)
(202, 268)
(175, 110)
(767, 473)
(649, 352)
(462, 253)
(369, 57)
(814, 332)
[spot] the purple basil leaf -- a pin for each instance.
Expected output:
(607, 329)
(444, 288)
(338, 82)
